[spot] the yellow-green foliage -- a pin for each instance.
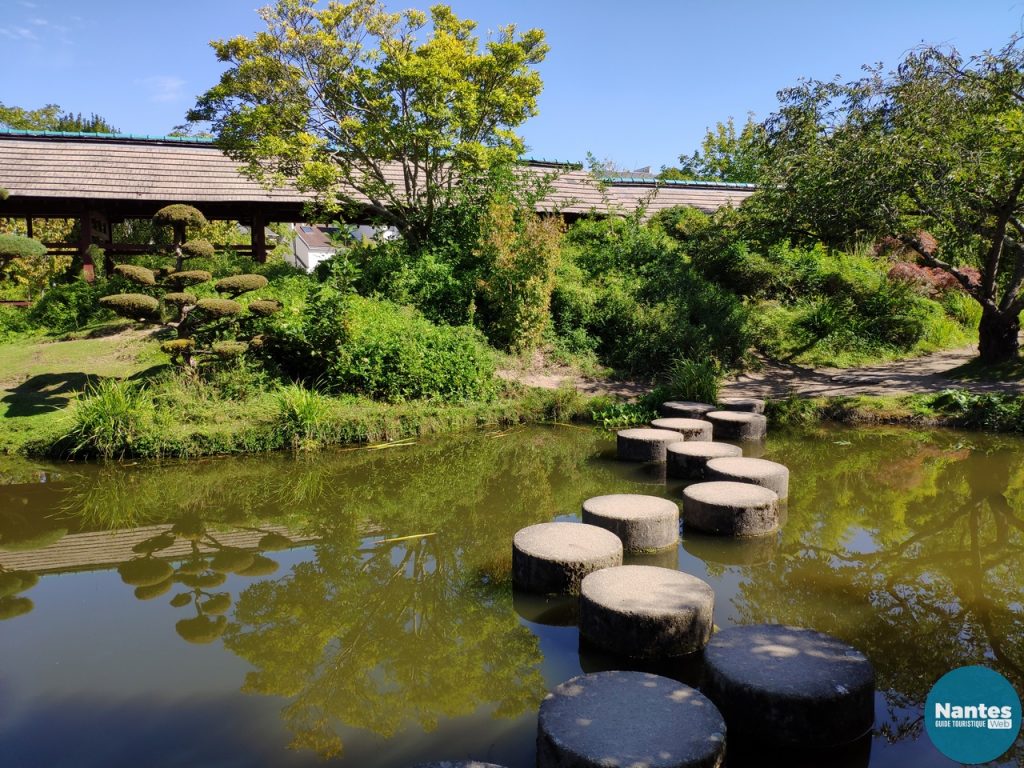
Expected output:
(138, 275)
(236, 285)
(521, 252)
(18, 247)
(189, 277)
(219, 307)
(179, 215)
(178, 299)
(133, 306)
(264, 307)
(226, 350)
(198, 249)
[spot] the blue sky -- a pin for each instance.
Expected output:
(635, 82)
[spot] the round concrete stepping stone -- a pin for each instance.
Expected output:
(628, 719)
(685, 409)
(645, 612)
(767, 474)
(643, 523)
(687, 460)
(645, 444)
(554, 557)
(736, 425)
(731, 509)
(691, 429)
(789, 686)
(747, 404)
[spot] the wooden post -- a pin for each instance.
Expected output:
(28, 225)
(258, 238)
(84, 241)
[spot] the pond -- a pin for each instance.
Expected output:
(355, 605)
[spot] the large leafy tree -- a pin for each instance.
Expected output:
(931, 153)
(349, 102)
(724, 155)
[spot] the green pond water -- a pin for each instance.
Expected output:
(355, 606)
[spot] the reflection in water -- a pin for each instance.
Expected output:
(370, 589)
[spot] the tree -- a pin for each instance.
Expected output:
(51, 118)
(931, 153)
(347, 102)
(724, 155)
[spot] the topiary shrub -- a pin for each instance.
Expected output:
(264, 307)
(179, 299)
(219, 307)
(133, 306)
(228, 350)
(197, 249)
(188, 277)
(236, 285)
(138, 275)
(18, 247)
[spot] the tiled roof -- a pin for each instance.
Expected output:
(108, 167)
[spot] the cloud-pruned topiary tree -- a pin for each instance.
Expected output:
(214, 328)
(180, 218)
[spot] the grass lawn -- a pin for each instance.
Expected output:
(39, 377)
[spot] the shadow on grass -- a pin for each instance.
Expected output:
(48, 392)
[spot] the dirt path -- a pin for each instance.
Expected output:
(903, 377)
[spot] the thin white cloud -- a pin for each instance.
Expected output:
(38, 22)
(163, 88)
(18, 33)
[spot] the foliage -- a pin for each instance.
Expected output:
(693, 380)
(236, 285)
(929, 153)
(68, 307)
(14, 321)
(724, 155)
(51, 118)
(520, 255)
(333, 96)
(628, 287)
(302, 415)
(619, 415)
(18, 247)
(133, 306)
(395, 354)
(179, 215)
(136, 274)
(113, 419)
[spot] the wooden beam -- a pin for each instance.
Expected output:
(84, 241)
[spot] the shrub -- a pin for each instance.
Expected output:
(236, 285)
(179, 215)
(264, 307)
(301, 415)
(520, 252)
(180, 299)
(133, 306)
(189, 277)
(395, 354)
(18, 247)
(197, 249)
(217, 308)
(136, 274)
(68, 307)
(13, 321)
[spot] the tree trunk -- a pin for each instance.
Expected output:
(997, 336)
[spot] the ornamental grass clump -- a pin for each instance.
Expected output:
(111, 420)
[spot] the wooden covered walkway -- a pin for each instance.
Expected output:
(101, 180)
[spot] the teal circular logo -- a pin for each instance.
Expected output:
(972, 715)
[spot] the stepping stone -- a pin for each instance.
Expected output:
(731, 509)
(685, 409)
(747, 404)
(553, 558)
(735, 425)
(645, 444)
(788, 686)
(691, 429)
(687, 460)
(628, 719)
(643, 523)
(645, 612)
(767, 474)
